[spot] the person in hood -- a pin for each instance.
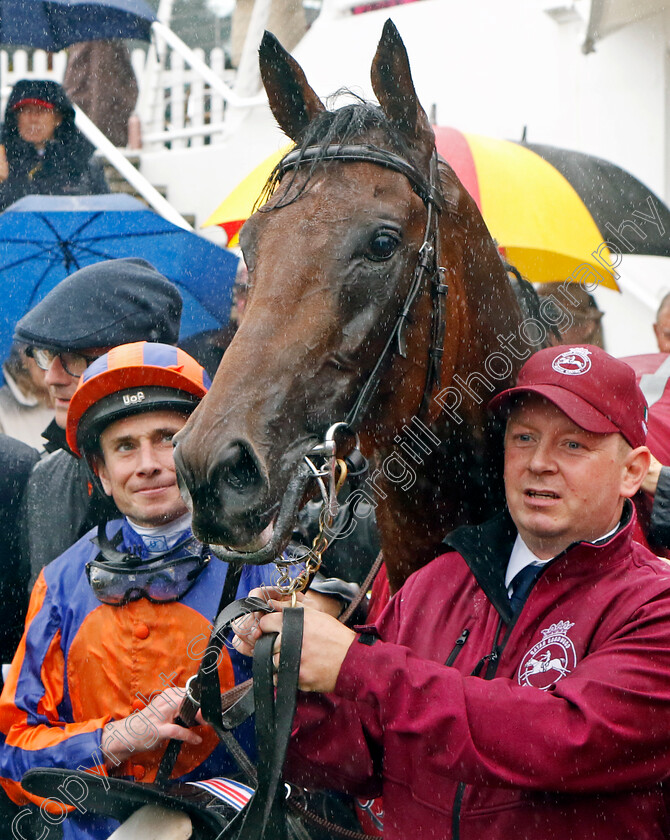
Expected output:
(102, 305)
(519, 684)
(43, 152)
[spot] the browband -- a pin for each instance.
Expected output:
(362, 153)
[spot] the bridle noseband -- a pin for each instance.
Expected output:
(428, 262)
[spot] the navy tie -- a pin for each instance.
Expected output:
(521, 585)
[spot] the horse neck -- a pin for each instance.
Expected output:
(458, 482)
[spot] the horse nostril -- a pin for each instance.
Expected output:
(237, 468)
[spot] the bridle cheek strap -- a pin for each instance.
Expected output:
(428, 263)
(439, 291)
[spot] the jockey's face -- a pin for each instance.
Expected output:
(564, 484)
(136, 467)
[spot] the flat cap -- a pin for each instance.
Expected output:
(103, 305)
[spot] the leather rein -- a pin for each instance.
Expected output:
(428, 265)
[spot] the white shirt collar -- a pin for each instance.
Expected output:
(162, 538)
(522, 556)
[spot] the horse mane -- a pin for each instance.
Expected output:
(346, 125)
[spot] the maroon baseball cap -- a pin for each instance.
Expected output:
(596, 391)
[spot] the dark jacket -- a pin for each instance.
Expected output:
(16, 462)
(59, 505)
(659, 521)
(555, 724)
(67, 166)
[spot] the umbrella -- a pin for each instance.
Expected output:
(551, 208)
(45, 238)
(55, 24)
(548, 208)
(237, 207)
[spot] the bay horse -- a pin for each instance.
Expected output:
(377, 296)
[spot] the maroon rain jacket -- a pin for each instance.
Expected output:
(553, 726)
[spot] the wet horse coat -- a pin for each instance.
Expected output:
(331, 258)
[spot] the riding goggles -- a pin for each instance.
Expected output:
(74, 364)
(126, 577)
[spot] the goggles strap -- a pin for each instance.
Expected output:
(108, 547)
(111, 555)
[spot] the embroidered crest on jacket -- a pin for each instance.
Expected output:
(549, 660)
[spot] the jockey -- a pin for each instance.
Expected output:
(120, 621)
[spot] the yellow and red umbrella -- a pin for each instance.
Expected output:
(539, 221)
(547, 208)
(236, 208)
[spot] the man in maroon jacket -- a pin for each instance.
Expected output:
(519, 685)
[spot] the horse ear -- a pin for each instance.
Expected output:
(395, 92)
(292, 101)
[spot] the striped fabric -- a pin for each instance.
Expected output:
(147, 354)
(234, 793)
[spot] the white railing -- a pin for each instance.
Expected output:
(39, 65)
(175, 97)
(184, 94)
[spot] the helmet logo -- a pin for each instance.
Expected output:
(573, 362)
(133, 399)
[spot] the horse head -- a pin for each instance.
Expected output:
(340, 324)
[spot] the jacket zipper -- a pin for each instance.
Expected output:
(491, 662)
(458, 647)
(456, 815)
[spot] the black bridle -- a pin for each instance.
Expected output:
(428, 262)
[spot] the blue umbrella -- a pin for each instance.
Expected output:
(45, 238)
(55, 24)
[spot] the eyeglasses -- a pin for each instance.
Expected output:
(161, 580)
(74, 364)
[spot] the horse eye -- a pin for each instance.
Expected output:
(382, 246)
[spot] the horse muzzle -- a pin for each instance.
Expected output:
(230, 503)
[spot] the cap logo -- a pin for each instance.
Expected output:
(573, 362)
(133, 399)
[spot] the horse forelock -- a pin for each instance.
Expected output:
(355, 122)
